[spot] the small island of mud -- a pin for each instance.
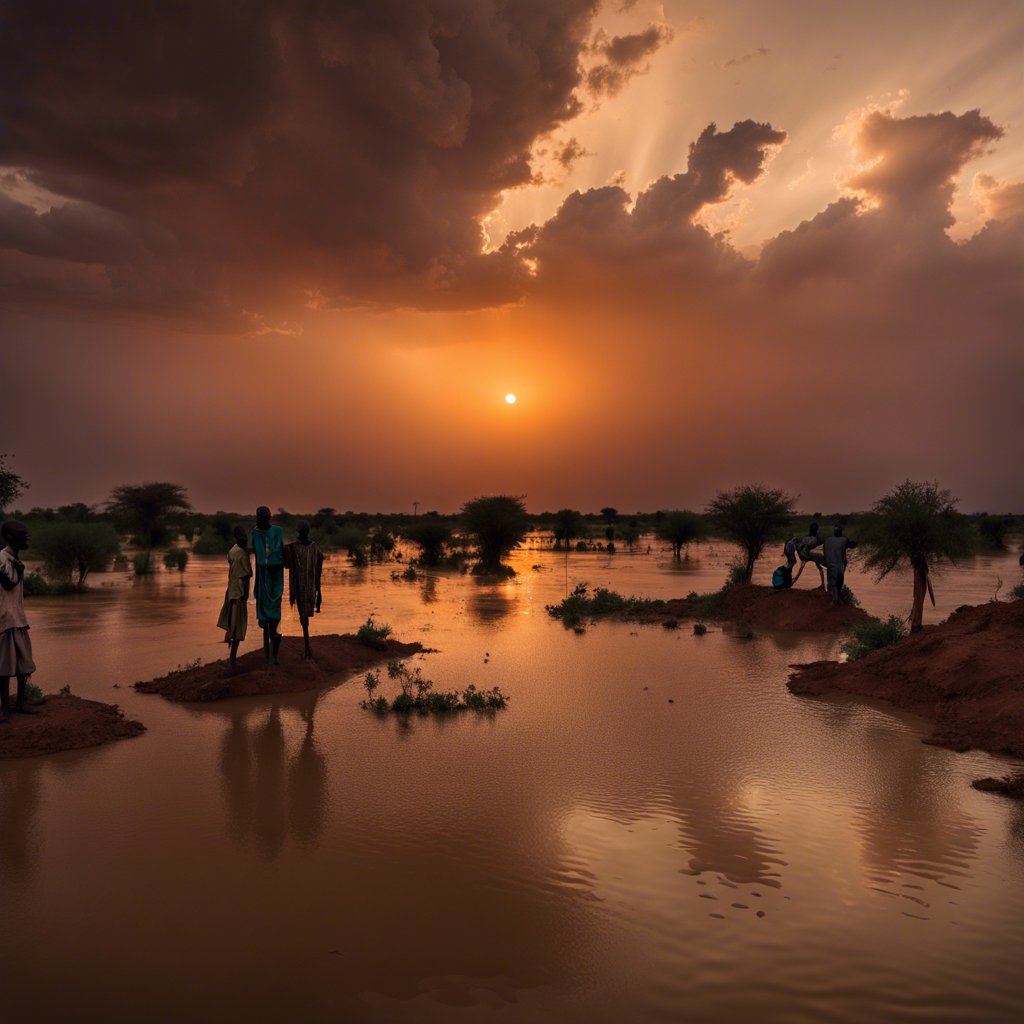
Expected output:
(967, 674)
(65, 722)
(333, 655)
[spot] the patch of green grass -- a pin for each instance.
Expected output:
(33, 694)
(872, 635)
(581, 605)
(417, 693)
(705, 604)
(373, 634)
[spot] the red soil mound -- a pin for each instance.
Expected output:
(64, 722)
(967, 674)
(333, 655)
(798, 611)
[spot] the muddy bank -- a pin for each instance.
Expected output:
(333, 655)
(967, 674)
(65, 722)
(798, 611)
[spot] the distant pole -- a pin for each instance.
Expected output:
(415, 506)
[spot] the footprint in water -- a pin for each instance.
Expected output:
(707, 896)
(741, 906)
(720, 917)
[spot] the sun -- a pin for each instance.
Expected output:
(510, 398)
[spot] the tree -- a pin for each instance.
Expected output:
(916, 525)
(79, 548)
(176, 558)
(679, 528)
(430, 534)
(12, 486)
(609, 515)
(750, 515)
(993, 530)
(148, 510)
(567, 525)
(499, 523)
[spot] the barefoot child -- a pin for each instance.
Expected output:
(234, 615)
(15, 645)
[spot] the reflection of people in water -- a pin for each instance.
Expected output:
(267, 794)
(268, 546)
(305, 562)
(234, 615)
(15, 645)
(19, 801)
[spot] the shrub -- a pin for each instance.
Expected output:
(699, 629)
(1017, 593)
(679, 528)
(373, 634)
(580, 605)
(33, 694)
(429, 534)
(871, 635)
(176, 558)
(142, 564)
(417, 693)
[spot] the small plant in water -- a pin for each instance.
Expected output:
(373, 634)
(699, 629)
(33, 694)
(581, 605)
(65, 690)
(417, 693)
(872, 635)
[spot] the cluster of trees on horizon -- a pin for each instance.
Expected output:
(915, 525)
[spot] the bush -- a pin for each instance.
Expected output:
(142, 563)
(36, 585)
(372, 634)
(499, 524)
(430, 534)
(872, 635)
(1017, 593)
(679, 528)
(580, 605)
(176, 558)
(418, 694)
(70, 548)
(699, 629)
(211, 542)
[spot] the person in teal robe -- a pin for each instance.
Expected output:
(268, 548)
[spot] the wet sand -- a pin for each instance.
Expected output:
(966, 674)
(333, 655)
(65, 722)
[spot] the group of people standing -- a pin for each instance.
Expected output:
(830, 561)
(304, 562)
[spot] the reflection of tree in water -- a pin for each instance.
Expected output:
(266, 795)
(19, 801)
(487, 606)
(428, 591)
(911, 826)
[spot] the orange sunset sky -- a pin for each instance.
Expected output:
(296, 253)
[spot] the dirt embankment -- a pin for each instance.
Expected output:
(65, 722)
(798, 611)
(966, 673)
(333, 655)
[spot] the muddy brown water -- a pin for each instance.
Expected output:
(655, 830)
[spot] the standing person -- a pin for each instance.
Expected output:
(305, 562)
(268, 546)
(835, 549)
(805, 549)
(15, 645)
(234, 615)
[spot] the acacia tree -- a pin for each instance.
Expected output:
(499, 523)
(750, 515)
(679, 528)
(916, 525)
(148, 509)
(79, 548)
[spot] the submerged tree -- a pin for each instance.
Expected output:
(430, 534)
(148, 510)
(679, 528)
(568, 524)
(916, 525)
(74, 548)
(750, 515)
(499, 523)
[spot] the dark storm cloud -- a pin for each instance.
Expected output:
(623, 57)
(215, 157)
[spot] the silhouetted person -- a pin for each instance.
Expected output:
(305, 562)
(834, 549)
(268, 546)
(15, 645)
(234, 615)
(805, 549)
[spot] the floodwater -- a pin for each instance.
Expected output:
(654, 830)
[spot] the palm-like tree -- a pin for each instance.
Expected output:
(915, 525)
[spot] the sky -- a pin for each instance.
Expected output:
(297, 253)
